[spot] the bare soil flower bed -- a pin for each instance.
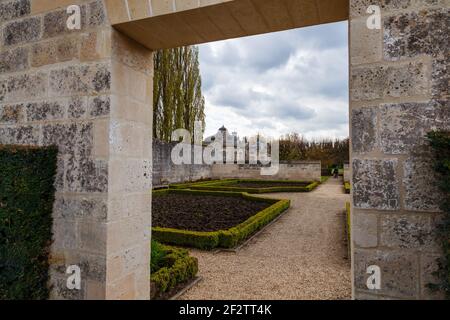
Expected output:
(203, 213)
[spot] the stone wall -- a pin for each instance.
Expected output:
(301, 170)
(347, 172)
(89, 92)
(165, 172)
(398, 91)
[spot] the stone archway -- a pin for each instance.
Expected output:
(89, 92)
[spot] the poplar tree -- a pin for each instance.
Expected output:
(177, 95)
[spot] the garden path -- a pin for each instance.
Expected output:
(303, 255)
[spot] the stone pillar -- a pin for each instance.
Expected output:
(398, 92)
(89, 92)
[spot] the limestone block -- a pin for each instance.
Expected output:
(55, 23)
(19, 87)
(429, 264)
(99, 106)
(80, 206)
(86, 175)
(421, 190)
(80, 79)
(440, 79)
(415, 33)
(403, 127)
(39, 111)
(22, 135)
(11, 114)
(389, 81)
(364, 229)
(14, 60)
(14, 9)
(375, 184)
(77, 107)
(399, 272)
(409, 232)
(365, 43)
(22, 31)
(364, 129)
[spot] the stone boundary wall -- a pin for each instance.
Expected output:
(165, 172)
(347, 172)
(301, 170)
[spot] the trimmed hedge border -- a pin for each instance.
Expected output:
(27, 192)
(347, 187)
(222, 238)
(348, 219)
(179, 267)
(220, 185)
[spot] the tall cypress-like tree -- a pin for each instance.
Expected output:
(177, 96)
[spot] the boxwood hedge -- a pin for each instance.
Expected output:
(176, 266)
(26, 200)
(222, 238)
(227, 185)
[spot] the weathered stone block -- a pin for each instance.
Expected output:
(76, 108)
(23, 135)
(364, 229)
(86, 175)
(403, 127)
(421, 190)
(440, 79)
(97, 14)
(83, 206)
(429, 264)
(55, 23)
(65, 233)
(10, 114)
(365, 43)
(359, 7)
(68, 49)
(61, 135)
(22, 31)
(26, 85)
(39, 111)
(99, 106)
(380, 81)
(92, 238)
(14, 9)
(43, 53)
(415, 33)
(14, 60)
(375, 184)
(364, 129)
(84, 79)
(408, 232)
(399, 272)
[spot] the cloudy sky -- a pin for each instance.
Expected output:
(291, 81)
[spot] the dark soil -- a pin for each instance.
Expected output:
(202, 212)
(266, 184)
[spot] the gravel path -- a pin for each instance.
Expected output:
(301, 256)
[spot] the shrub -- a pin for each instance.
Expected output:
(175, 267)
(440, 142)
(26, 199)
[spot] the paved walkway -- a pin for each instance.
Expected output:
(301, 256)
